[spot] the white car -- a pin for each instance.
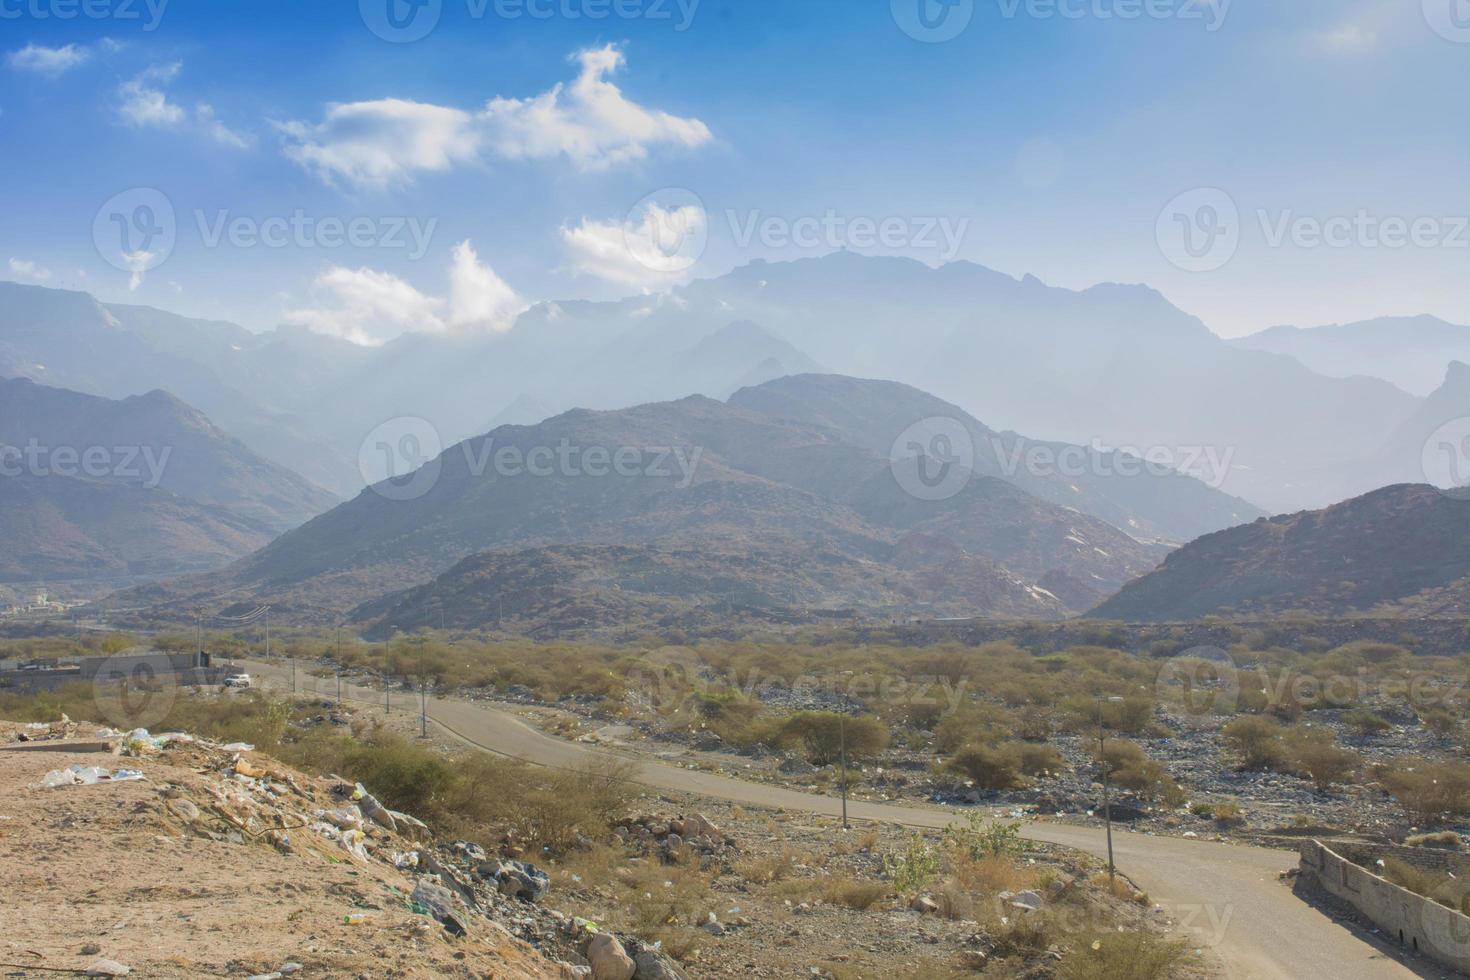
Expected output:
(237, 680)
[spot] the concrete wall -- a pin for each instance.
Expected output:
(1418, 923)
(181, 668)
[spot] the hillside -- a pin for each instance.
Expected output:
(1110, 486)
(708, 479)
(156, 440)
(1410, 351)
(62, 530)
(547, 591)
(1402, 550)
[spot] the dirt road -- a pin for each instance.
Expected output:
(1226, 897)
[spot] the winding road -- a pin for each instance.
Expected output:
(1225, 897)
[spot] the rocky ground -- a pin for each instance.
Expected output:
(1270, 803)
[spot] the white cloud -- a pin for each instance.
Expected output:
(592, 123)
(379, 143)
(649, 252)
(48, 61)
(477, 294)
(1348, 39)
(217, 130)
(388, 141)
(370, 307)
(144, 103)
(26, 269)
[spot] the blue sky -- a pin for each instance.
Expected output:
(1077, 140)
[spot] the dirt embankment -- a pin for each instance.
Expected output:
(199, 870)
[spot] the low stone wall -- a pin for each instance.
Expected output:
(1420, 924)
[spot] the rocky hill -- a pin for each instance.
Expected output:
(1403, 550)
(154, 440)
(826, 522)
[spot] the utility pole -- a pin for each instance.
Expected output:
(387, 697)
(1102, 756)
(842, 740)
(423, 707)
(267, 632)
(339, 684)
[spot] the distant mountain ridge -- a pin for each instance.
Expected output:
(1398, 551)
(1410, 351)
(818, 511)
(1113, 365)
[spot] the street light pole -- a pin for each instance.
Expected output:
(842, 740)
(1102, 755)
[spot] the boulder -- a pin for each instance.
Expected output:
(1029, 900)
(924, 905)
(652, 964)
(608, 958)
(440, 903)
(522, 881)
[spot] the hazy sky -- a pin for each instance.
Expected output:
(1313, 151)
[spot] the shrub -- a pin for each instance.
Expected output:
(1256, 740)
(913, 870)
(1365, 723)
(991, 769)
(1122, 956)
(1432, 791)
(821, 733)
(854, 893)
(980, 837)
(1324, 763)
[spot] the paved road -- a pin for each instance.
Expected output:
(1226, 897)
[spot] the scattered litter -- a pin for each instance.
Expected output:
(238, 747)
(107, 968)
(87, 776)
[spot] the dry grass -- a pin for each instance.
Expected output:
(854, 893)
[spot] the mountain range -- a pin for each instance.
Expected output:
(792, 474)
(1398, 551)
(1113, 366)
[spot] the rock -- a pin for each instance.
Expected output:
(1029, 900)
(1058, 886)
(523, 881)
(796, 766)
(609, 960)
(974, 959)
(440, 903)
(701, 826)
(184, 810)
(91, 949)
(107, 968)
(924, 905)
(654, 965)
(471, 851)
(570, 972)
